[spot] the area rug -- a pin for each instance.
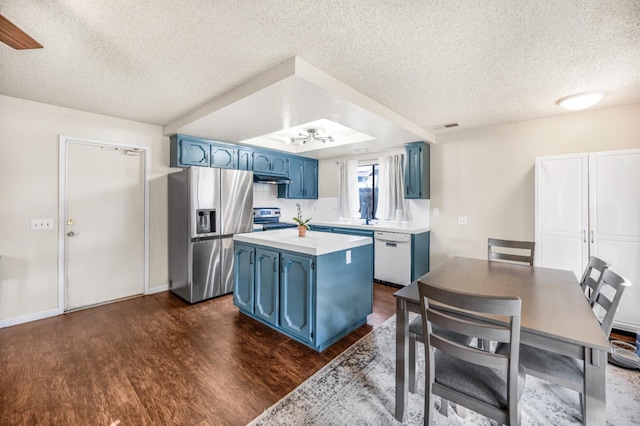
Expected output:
(358, 388)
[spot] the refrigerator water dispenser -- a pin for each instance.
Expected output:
(205, 221)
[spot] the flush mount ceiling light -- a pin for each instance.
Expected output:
(581, 100)
(312, 135)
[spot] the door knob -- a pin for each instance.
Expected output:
(71, 234)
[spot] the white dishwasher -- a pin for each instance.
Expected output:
(392, 257)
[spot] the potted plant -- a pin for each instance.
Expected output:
(302, 224)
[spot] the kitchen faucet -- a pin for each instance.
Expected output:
(365, 213)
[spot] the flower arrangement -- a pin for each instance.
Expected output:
(299, 220)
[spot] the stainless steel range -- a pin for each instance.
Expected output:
(269, 218)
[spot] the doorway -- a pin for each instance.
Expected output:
(103, 222)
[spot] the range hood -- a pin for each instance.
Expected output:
(275, 180)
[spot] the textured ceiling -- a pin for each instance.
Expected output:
(476, 63)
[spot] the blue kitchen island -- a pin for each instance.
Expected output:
(314, 289)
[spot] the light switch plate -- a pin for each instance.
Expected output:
(348, 257)
(41, 224)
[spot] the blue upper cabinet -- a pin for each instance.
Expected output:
(295, 189)
(416, 171)
(303, 173)
(186, 151)
(310, 179)
(245, 159)
(224, 156)
(270, 163)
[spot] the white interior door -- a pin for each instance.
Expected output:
(104, 224)
(561, 212)
(614, 210)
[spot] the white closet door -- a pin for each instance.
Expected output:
(561, 212)
(614, 209)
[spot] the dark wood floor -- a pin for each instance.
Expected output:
(156, 360)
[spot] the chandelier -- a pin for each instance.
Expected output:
(312, 135)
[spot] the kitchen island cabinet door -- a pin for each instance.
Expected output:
(244, 277)
(267, 283)
(296, 297)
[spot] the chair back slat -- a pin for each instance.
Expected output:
(589, 283)
(493, 332)
(527, 246)
(619, 284)
(494, 305)
(470, 354)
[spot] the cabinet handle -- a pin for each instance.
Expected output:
(275, 268)
(584, 236)
(250, 258)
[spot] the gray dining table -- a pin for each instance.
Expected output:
(555, 317)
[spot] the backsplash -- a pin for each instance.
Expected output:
(325, 208)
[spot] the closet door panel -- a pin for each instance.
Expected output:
(561, 212)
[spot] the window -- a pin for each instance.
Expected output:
(368, 187)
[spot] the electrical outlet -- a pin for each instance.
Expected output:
(41, 224)
(462, 220)
(436, 212)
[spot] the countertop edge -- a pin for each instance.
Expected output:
(260, 240)
(384, 227)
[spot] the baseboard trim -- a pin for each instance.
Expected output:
(154, 290)
(625, 326)
(54, 312)
(28, 318)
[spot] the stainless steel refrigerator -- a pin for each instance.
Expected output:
(206, 207)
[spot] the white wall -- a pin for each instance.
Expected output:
(29, 189)
(488, 174)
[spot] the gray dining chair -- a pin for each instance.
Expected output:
(416, 335)
(488, 383)
(517, 251)
(589, 283)
(564, 370)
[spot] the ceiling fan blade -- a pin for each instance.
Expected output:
(15, 37)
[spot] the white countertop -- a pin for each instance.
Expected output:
(315, 243)
(376, 225)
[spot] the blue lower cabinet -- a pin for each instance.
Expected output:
(267, 285)
(315, 300)
(354, 231)
(297, 280)
(320, 228)
(419, 255)
(243, 276)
